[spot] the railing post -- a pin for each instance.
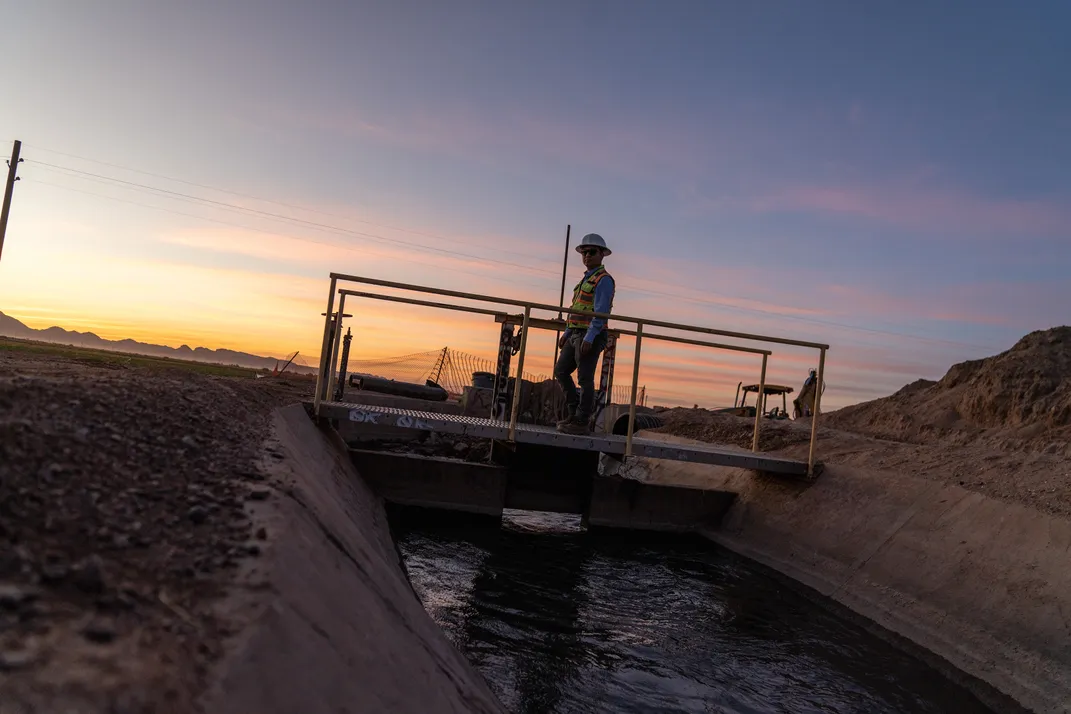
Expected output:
(635, 383)
(519, 382)
(331, 382)
(325, 348)
(814, 416)
(759, 405)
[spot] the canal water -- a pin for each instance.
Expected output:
(560, 620)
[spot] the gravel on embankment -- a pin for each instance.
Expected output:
(1023, 476)
(125, 492)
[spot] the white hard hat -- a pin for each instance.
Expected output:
(593, 239)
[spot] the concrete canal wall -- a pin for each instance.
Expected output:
(979, 588)
(984, 585)
(332, 623)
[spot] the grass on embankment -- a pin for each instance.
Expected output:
(105, 358)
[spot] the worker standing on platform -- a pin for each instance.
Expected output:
(585, 336)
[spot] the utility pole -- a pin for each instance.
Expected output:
(12, 169)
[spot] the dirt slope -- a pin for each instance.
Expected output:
(736, 431)
(1031, 478)
(124, 516)
(1016, 400)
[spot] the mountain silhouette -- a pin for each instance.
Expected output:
(10, 327)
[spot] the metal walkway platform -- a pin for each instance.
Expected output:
(547, 436)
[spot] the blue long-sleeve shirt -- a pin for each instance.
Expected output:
(604, 299)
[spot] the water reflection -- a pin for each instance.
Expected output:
(560, 621)
(535, 610)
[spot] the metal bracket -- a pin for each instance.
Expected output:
(500, 399)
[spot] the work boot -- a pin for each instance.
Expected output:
(578, 426)
(562, 422)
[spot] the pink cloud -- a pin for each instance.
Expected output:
(664, 274)
(918, 207)
(940, 305)
(816, 315)
(993, 304)
(614, 145)
(855, 113)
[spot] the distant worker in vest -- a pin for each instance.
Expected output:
(585, 336)
(804, 403)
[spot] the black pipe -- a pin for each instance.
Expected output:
(643, 421)
(429, 391)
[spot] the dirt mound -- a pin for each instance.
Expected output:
(1019, 398)
(718, 428)
(124, 499)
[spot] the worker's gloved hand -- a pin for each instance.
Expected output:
(585, 348)
(564, 339)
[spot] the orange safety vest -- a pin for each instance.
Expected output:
(584, 299)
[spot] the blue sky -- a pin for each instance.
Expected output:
(891, 178)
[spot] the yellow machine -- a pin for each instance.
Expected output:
(741, 408)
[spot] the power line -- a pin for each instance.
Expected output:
(261, 199)
(655, 293)
(78, 173)
(334, 229)
(245, 227)
(279, 216)
(818, 321)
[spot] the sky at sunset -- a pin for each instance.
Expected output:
(890, 178)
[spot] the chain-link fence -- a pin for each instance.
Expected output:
(452, 370)
(622, 394)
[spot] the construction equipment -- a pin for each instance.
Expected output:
(740, 407)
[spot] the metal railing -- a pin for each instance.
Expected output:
(326, 375)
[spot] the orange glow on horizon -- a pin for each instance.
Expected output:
(222, 301)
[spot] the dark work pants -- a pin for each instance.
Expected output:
(569, 361)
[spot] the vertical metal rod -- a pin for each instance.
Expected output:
(441, 365)
(561, 298)
(340, 392)
(606, 377)
(325, 348)
(332, 379)
(505, 354)
(814, 417)
(635, 383)
(518, 383)
(759, 404)
(9, 189)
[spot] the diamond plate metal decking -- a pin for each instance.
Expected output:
(532, 434)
